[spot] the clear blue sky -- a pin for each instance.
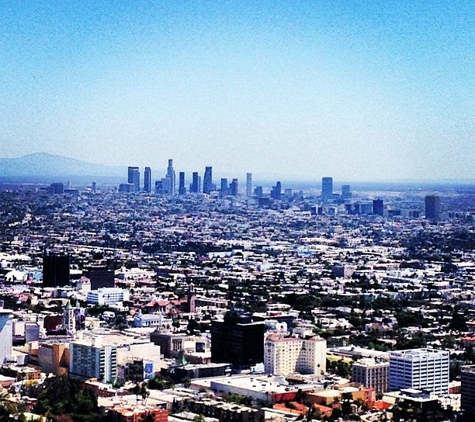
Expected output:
(359, 90)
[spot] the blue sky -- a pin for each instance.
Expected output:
(359, 90)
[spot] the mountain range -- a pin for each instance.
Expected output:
(44, 167)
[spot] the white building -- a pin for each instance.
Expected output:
(6, 335)
(107, 296)
(285, 355)
(92, 359)
(421, 369)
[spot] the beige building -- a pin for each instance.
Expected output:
(371, 374)
(285, 355)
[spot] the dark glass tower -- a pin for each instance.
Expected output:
(181, 183)
(208, 180)
(55, 269)
(327, 188)
(432, 207)
(133, 174)
(147, 182)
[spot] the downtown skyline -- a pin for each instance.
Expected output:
(359, 91)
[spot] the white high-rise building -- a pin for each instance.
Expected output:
(421, 369)
(6, 335)
(285, 355)
(92, 359)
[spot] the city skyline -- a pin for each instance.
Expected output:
(359, 91)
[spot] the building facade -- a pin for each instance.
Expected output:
(371, 374)
(467, 389)
(286, 355)
(421, 369)
(133, 177)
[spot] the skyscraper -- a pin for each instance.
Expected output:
(195, 184)
(233, 187)
(432, 207)
(421, 369)
(249, 185)
(181, 183)
(208, 180)
(378, 207)
(55, 269)
(276, 192)
(327, 188)
(147, 180)
(133, 174)
(224, 188)
(171, 176)
(345, 192)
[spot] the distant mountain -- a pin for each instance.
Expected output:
(41, 166)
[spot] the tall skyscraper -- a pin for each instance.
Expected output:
(224, 188)
(208, 180)
(133, 174)
(55, 269)
(345, 192)
(327, 188)
(171, 176)
(467, 389)
(147, 180)
(233, 187)
(276, 192)
(378, 207)
(249, 185)
(6, 335)
(421, 369)
(195, 184)
(181, 183)
(432, 207)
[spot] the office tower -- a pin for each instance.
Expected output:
(55, 269)
(286, 355)
(248, 185)
(421, 369)
(92, 359)
(432, 207)
(94, 186)
(195, 184)
(100, 276)
(233, 187)
(378, 207)
(147, 180)
(69, 319)
(467, 389)
(258, 191)
(56, 188)
(223, 191)
(237, 340)
(163, 186)
(345, 192)
(327, 188)
(371, 374)
(6, 335)
(181, 183)
(171, 177)
(276, 192)
(134, 177)
(208, 180)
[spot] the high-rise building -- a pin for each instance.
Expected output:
(421, 369)
(345, 192)
(100, 276)
(55, 269)
(6, 335)
(181, 183)
(147, 180)
(371, 374)
(467, 389)
(92, 359)
(276, 192)
(233, 187)
(378, 207)
(248, 185)
(432, 207)
(133, 174)
(237, 340)
(171, 177)
(195, 186)
(223, 191)
(327, 188)
(208, 186)
(285, 355)
(69, 319)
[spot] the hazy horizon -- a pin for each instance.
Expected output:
(296, 90)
